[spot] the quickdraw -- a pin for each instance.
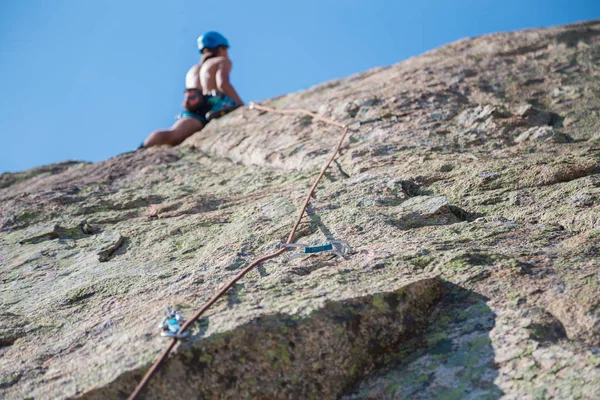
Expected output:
(170, 325)
(343, 249)
(338, 247)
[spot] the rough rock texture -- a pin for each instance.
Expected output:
(469, 195)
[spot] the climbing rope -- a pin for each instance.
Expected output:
(258, 261)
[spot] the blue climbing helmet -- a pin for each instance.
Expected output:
(211, 40)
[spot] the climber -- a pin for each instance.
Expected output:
(208, 93)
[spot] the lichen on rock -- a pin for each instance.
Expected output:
(468, 194)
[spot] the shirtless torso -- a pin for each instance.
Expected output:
(214, 72)
(213, 75)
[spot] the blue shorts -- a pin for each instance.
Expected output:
(189, 114)
(216, 101)
(219, 101)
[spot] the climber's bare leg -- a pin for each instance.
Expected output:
(180, 130)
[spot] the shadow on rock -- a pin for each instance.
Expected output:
(316, 220)
(453, 360)
(283, 356)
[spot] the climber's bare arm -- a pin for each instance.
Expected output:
(222, 80)
(192, 78)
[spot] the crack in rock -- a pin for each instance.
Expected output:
(38, 234)
(110, 242)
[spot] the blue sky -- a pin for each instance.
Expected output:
(86, 80)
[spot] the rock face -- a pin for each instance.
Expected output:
(469, 194)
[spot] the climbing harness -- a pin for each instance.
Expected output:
(260, 260)
(219, 113)
(170, 325)
(338, 247)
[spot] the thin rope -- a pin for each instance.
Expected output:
(144, 382)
